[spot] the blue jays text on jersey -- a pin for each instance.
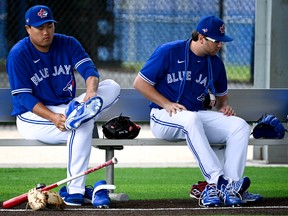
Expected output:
(44, 73)
(175, 77)
(46, 77)
(165, 70)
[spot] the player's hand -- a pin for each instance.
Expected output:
(89, 95)
(173, 108)
(227, 110)
(59, 121)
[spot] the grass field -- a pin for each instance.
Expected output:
(143, 183)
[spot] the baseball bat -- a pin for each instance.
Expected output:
(24, 197)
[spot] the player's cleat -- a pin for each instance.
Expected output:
(100, 196)
(71, 199)
(209, 196)
(239, 186)
(197, 189)
(76, 199)
(242, 185)
(250, 197)
(229, 196)
(78, 113)
(88, 194)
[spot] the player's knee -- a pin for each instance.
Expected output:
(111, 84)
(243, 126)
(114, 88)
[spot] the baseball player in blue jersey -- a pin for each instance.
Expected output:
(43, 87)
(184, 80)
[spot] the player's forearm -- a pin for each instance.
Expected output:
(221, 102)
(57, 119)
(150, 92)
(92, 83)
(41, 110)
(224, 107)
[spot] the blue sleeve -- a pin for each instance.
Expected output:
(18, 73)
(155, 67)
(26, 100)
(81, 60)
(20, 84)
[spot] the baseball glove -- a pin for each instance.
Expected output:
(120, 127)
(38, 200)
(268, 127)
(54, 200)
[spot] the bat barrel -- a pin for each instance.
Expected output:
(15, 201)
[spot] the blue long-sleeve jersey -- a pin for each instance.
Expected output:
(46, 77)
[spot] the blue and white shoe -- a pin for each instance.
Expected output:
(209, 196)
(250, 197)
(88, 194)
(76, 199)
(71, 199)
(229, 196)
(78, 113)
(100, 197)
(242, 185)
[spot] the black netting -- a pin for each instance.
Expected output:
(120, 35)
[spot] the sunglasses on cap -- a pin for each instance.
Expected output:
(212, 40)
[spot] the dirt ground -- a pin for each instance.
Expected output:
(271, 206)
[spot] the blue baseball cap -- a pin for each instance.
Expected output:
(214, 28)
(38, 15)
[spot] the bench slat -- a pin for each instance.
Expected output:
(135, 142)
(24, 142)
(159, 142)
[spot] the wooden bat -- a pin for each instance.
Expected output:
(24, 197)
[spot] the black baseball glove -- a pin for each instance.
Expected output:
(268, 127)
(120, 127)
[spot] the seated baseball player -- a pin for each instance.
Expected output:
(186, 83)
(43, 87)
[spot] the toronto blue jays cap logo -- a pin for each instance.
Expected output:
(38, 15)
(42, 13)
(222, 29)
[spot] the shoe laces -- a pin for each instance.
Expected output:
(212, 190)
(230, 191)
(209, 191)
(237, 184)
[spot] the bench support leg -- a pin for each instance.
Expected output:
(110, 169)
(109, 154)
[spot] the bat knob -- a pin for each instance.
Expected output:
(40, 185)
(114, 160)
